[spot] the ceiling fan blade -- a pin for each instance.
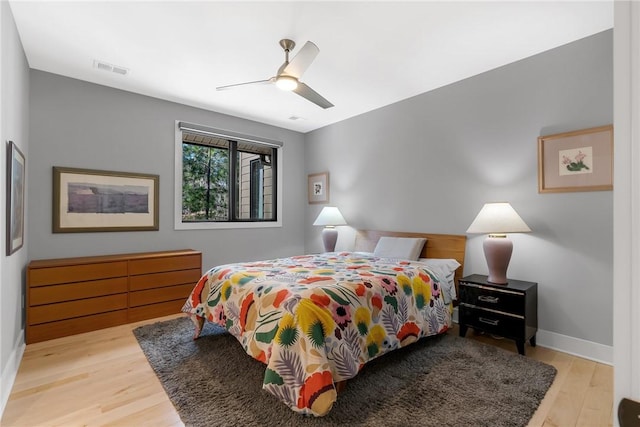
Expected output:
(257, 82)
(311, 95)
(299, 64)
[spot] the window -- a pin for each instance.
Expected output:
(256, 196)
(227, 179)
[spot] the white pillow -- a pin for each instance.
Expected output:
(449, 264)
(445, 268)
(399, 247)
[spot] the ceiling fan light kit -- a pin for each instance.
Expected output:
(289, 73)
(286, 82)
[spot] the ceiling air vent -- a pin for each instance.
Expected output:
(105, 66)
(120, 70)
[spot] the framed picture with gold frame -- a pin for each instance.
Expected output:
(86, 200)
(580, 160)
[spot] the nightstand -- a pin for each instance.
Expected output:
(510, 310)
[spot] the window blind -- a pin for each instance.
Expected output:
(219, 138)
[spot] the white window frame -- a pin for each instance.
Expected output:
(205, 225)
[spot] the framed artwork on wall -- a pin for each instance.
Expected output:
(318, 187)
(581, 160)
(86, 200)
(15, 197)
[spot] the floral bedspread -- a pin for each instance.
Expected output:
(315, 320)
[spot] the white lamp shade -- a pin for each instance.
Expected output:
(496, 218)
(330, 216)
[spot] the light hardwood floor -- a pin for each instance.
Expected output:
(103, 378)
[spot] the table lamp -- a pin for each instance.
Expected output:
(497, 219)
(330, 216)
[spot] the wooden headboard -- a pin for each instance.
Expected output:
(438, 245)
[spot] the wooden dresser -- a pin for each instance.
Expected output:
(69, 296)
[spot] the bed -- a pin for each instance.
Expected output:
(316, 320)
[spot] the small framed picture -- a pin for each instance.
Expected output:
(318, 187)
(581, 160)
(15, 198)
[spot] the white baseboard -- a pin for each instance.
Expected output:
(578, 347)
(575, 346)
(10, 371)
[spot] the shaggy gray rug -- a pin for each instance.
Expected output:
(439, 381)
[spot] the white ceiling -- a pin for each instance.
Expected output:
(371, 53)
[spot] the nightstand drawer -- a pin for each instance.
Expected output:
(494, 298)
(493, 322)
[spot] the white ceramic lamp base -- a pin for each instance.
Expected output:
(329, 238)
(497, 251)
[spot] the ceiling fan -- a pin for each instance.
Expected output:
(289, 73)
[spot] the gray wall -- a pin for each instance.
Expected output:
(83, 125)
(14, 92)
(429, 163)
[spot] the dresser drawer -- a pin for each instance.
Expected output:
(151, 296)
(493, 298)
(76, 273)
(160, 264)
(493, 322)
(41, 295)
(169, 278)
(71, 309)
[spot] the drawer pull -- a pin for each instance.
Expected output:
(488, 298)
(492, 322)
